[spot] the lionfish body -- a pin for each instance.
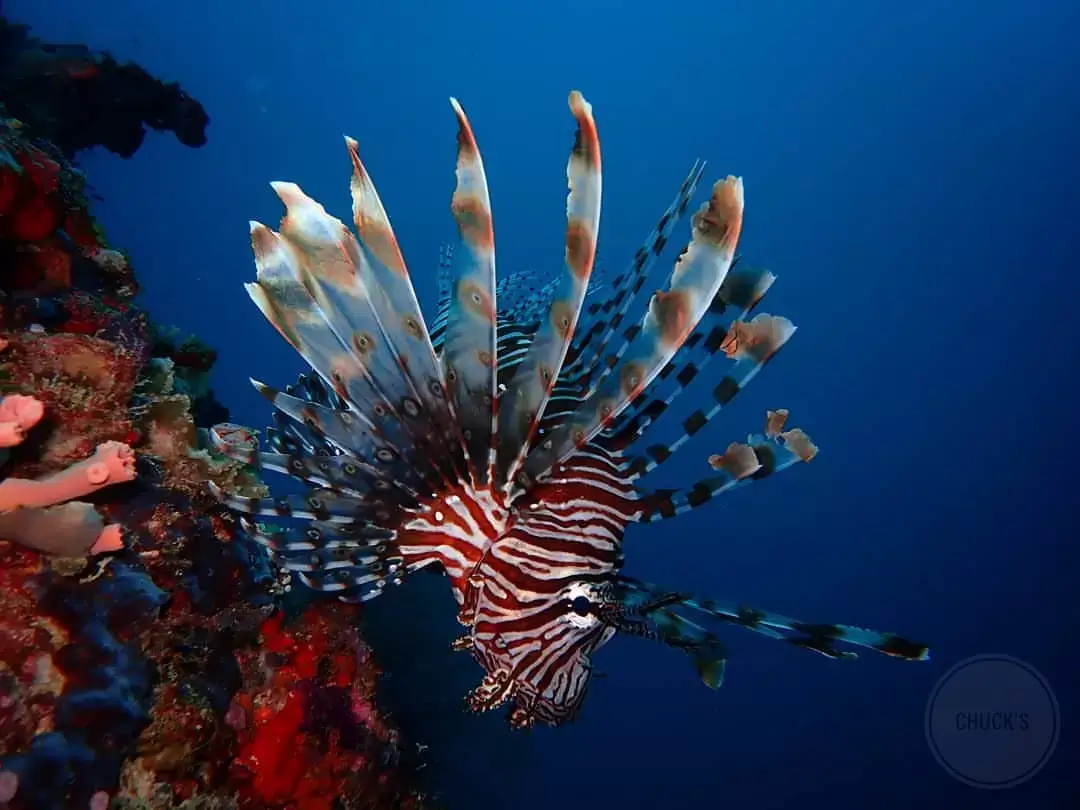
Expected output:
(502, 446)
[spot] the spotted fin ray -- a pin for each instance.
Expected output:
(673, 314)
(522, 406)
(469, 345)
(606, 316)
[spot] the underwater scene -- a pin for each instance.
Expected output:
(579, 405)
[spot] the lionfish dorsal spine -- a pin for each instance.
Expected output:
(469, 352)
(738, 295)
(590, 363)
(672, 316)
(389, 275)
(522, 405)
(355, 313)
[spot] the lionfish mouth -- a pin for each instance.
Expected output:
(506, 445)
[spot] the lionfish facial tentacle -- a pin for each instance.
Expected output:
(608, 314)
(523, 404)
(673, 315)
(469, 358)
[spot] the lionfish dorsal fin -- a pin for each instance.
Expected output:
(386, 272)
(469, 339)
(444, 282)
(607, 313)
(285, 301)
(741, 291)
(333, 270)
(672, 316)
(522, 405)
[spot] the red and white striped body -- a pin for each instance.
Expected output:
(518, 571)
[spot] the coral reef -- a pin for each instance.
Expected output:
(76, 98)
(179, 670)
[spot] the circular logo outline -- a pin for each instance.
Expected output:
(955, 670)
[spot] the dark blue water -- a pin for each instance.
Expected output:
(910, 175)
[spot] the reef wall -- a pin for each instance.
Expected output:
(149, 656)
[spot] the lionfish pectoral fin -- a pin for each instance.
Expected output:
(673, 626)
(354, 561)
(711, 668)
(761, 456)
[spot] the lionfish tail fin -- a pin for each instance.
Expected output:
(689, 624)
(523, 403)
(672, 316)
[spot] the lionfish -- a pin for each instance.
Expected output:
(505, 445)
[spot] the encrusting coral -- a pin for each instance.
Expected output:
(42, 513)
(181, 670)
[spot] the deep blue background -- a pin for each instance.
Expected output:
(911, 176)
